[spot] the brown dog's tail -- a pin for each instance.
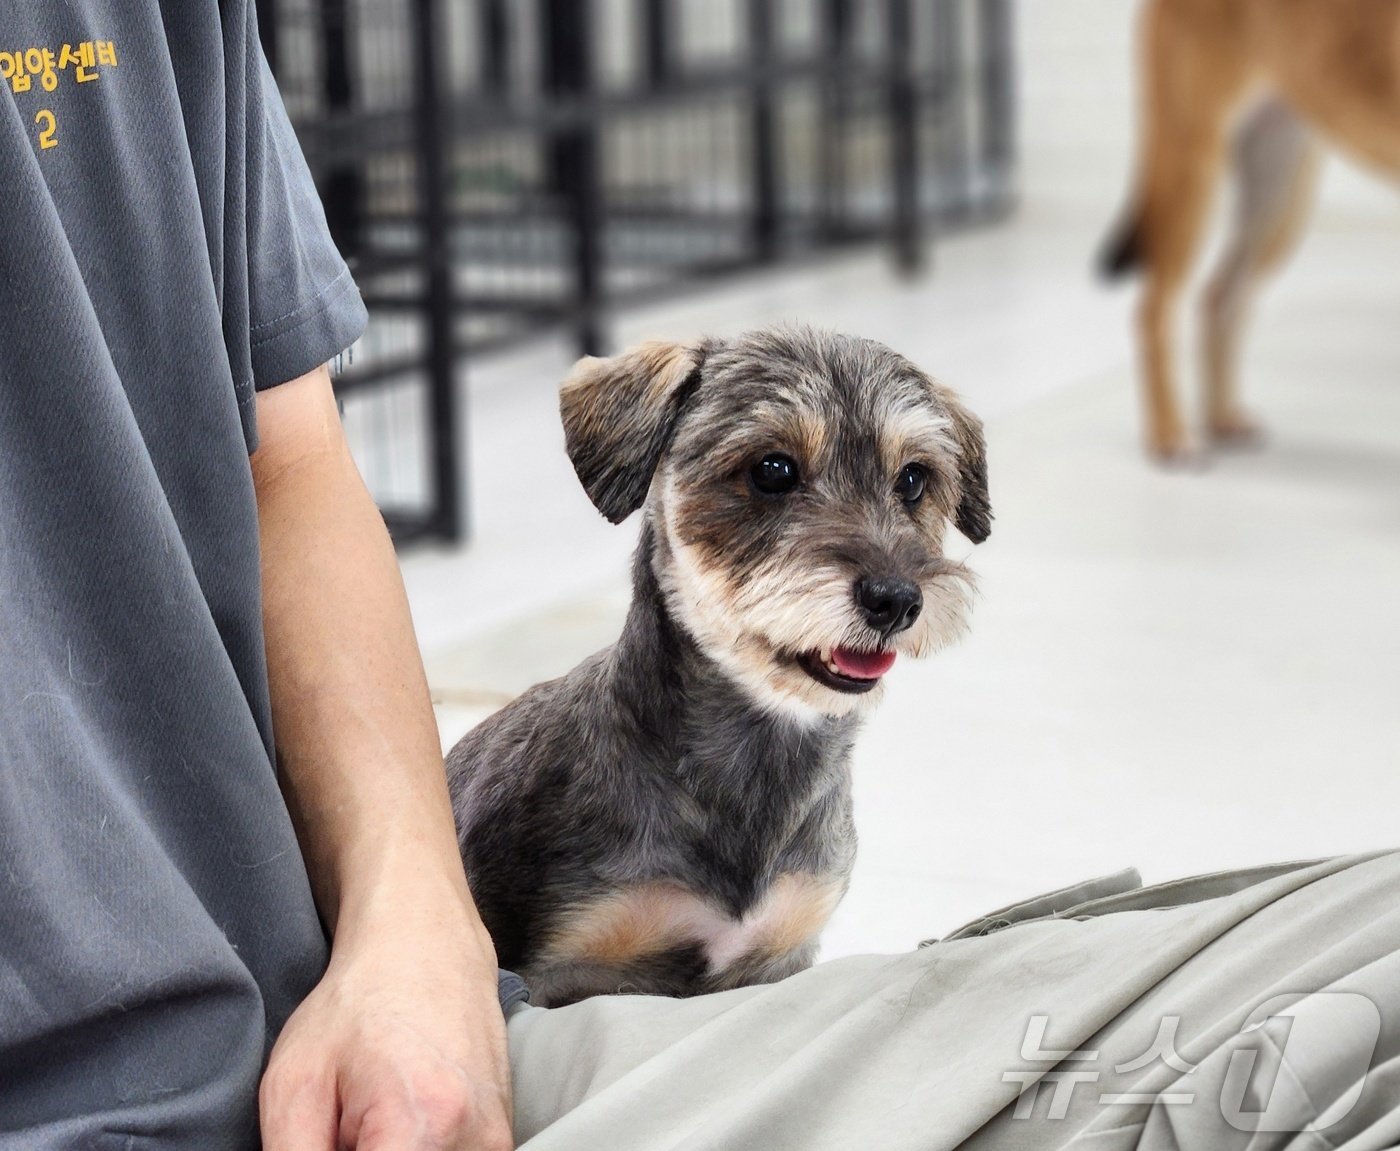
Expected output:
(1122, 252)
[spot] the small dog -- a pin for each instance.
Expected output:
(1299, 71)
(674, 815)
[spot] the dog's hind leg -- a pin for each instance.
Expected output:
(1275, 162)
(1194, 77)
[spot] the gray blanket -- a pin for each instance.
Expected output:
(1256, 1009)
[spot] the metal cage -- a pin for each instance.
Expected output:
(493, 167)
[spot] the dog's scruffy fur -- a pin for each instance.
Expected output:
(674, 815)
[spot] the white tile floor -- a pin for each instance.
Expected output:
(1175, 671)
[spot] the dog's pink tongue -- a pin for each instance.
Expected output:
(862, 664)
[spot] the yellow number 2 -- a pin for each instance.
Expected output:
(48, 138)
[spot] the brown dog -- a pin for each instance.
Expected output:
(1333, 65)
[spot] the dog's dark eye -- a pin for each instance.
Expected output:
(775, 475)
(911, 483)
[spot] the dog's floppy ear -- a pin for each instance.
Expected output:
(618, 417)
(974, 514)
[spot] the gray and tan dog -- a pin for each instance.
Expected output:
(674, 815)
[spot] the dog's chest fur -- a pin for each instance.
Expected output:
(659, 917)
(640, 825)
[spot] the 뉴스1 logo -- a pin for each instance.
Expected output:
(1298, 1063)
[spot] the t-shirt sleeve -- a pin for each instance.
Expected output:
(303, 305)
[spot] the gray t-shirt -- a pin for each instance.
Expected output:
(162, 254)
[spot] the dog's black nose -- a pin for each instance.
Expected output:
(889, 605)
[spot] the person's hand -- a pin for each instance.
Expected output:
(400, 1046)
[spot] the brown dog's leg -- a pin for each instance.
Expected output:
(1194, 76)
(1276, 163)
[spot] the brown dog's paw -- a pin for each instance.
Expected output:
(1236, 431)
(1174, 451)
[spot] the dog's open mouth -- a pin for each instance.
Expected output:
(843, 669)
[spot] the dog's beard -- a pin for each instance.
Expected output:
(756, 629)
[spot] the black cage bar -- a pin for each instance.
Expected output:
(494, 167)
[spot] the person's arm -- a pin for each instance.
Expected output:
(402, 1044)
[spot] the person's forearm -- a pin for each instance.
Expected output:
(357, 745)
(402, 1043)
